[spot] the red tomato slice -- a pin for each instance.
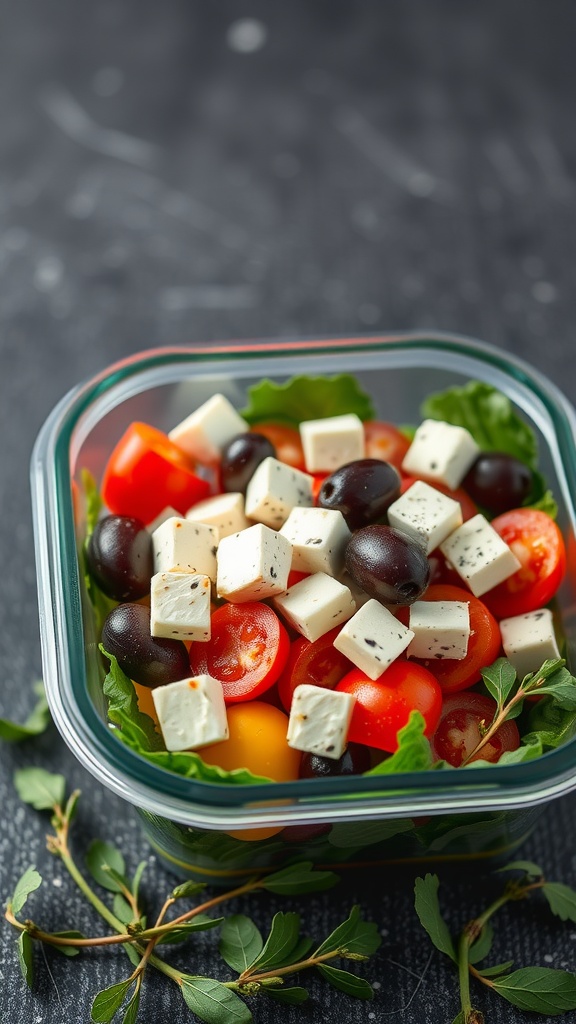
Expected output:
(247, 650)
(383, 705)
(385, 441)
(146, 472)
(538, 544)
(463, 717)
(468, 507)
(286, 441)
(483, 646)
(318, 663)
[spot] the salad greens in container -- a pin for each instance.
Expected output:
(425, 775)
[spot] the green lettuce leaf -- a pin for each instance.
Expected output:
(307, 398)
(413, 754)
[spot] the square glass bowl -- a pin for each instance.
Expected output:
(219, 832)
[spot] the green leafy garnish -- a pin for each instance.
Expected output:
(137, 729)
(413, 753)
(36, 723)
(307, 398)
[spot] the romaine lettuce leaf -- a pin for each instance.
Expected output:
(307, 398)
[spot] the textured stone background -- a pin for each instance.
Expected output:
(169, 173)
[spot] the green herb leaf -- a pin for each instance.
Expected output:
(41, 789)
(560, 685)
(24, 945)
(499, 678)
(413, 753)
(29, 882)
(539, 989)
(123, 710)
(213, 1002)
(480, 949)
(489, 416)
(68, 950)
(307, 398)
(186, 889)
(428, 909)
(346, 835)
(106, 865)
(492, 972)
(541, 496)
(122, 909)
(561, 899)
(291, 995)
(346, 982)
(132, 1008)
(282, 940)
(299, 952)
(36, 723)
(527, 866)
(298, 879)
(190, 765)
(552, 724)
(200, 923)
(354, 935)
(240, 942)
(138, 878)
(107, 1003)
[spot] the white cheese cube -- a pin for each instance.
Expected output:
(441, 629)
(180, 606)
(425, 514)
(167, 513)
(332, 442)
(224, 511)
(191, 712)
(207, 430)
(529, 640)
(182, 546)
(318, 537)
(274, 490)
(373, 638)
(479, 555)
(319, 720)
(253, 564)
(315, 605)
(440, 451)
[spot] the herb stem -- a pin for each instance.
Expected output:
(498, 720)
(311, 961)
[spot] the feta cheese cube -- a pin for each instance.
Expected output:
(191, 712)
(529, 640)
(167, 513)
(274, 490)
(225, 512)
(315, 605)
(441, 629)
(425, 514)
(253, 564)
(183, 546)
(373, 638)
(479, 555)
(318, 537)
(440, 451)
(207, 430)
(319, 720)
(180, 606)
(332, 442)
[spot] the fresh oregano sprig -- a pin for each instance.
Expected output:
(261, 964)
(538, 989)
(500, 679)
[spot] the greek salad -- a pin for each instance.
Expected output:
(300, 589)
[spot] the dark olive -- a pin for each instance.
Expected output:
(241, 457)
(362, 491)
(387, 564)
(119, 555)
(354, 761)
(498, 482)
(148, 660)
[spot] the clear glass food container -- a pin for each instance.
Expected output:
(340, 822)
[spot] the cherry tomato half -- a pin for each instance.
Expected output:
(247, 650)
(315, 662)
(385, 441)
(468, 507)
(146, 472)
(383, 705)
(538, 545)
(463, 718)
(483, 645)
(286, 441)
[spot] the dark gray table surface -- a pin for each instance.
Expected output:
(190, 171)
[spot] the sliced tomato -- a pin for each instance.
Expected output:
(463, 721)
(538, 545)
(483, 645)
(385, 441)
(146, 472)
(247, 650)
(286, 441)
(468, 507)
(383, 705)
(315, 662)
